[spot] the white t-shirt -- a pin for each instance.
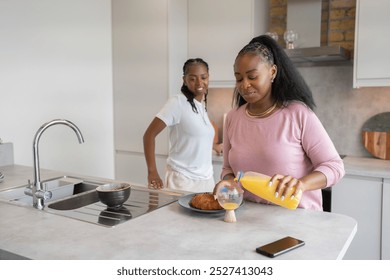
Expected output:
(190, 137)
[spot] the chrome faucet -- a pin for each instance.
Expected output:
(36, 191)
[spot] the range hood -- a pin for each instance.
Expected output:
(318, 55)
(308, 49)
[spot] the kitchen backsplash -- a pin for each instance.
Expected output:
(219, 102)
(342, 109)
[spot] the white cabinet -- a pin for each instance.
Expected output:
(140, 63)
(131, 167)
(386, 220)
(371, 59)
(361, 198)
(218, 29)
(217, 165)
(149, 50)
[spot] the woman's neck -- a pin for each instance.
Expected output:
(262, 110)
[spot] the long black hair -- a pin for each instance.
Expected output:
(288, 84)
(184, 89)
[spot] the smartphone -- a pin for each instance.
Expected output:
(280, 246)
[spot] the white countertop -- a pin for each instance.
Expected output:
(370, 167)
(171, 232)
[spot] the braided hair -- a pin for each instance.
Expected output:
(288, 84)
(185, 90)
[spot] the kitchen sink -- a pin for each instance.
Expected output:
(60, 188)
(78, 199)
(88, 208)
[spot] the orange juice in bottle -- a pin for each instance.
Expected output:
(258, 184)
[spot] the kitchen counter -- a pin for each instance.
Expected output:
(171, 232)
(370, 167)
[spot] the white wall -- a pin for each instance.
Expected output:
(56, 62)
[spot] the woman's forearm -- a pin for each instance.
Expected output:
(314, 181)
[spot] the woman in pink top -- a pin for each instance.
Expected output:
(273, 130)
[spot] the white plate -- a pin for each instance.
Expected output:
(184, 201)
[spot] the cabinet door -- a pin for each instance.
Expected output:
(140, 64)
(218, 29)
(131, 167)
(361, 198)
(371, 60)
(217, 165)
(386, 220)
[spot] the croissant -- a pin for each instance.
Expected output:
(205, 201)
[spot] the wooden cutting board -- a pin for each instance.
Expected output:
(376, 136)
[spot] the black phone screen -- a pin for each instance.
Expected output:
(280, 246)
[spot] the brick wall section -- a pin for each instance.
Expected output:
(277, 20)
(342, 23)
(324, 22)
(337, 21)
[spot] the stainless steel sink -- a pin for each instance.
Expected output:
(87, 207)
(60, 187)
(75, 201)
(77, 198)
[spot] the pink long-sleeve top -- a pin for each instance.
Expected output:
(292, 141)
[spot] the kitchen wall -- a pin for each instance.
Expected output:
(342, 109)
(55, 62)
(219, 102)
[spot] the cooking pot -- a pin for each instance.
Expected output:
(113, 195)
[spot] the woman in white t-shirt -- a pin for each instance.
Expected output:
(191, 134)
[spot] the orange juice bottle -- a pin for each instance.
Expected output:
(257, 184)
